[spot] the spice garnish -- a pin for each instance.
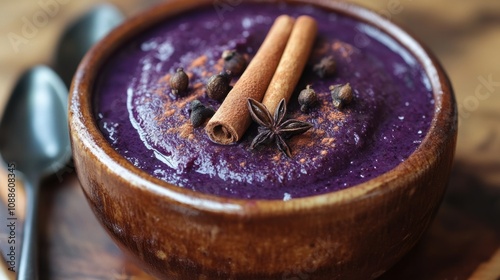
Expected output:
(326, 67)
(307, 99)
(341, 95)
(218, 86)
(199, 113)
(272, 75)
(292, 62)
(232, 118)
(179, 81)
(275, 128)
(234, 62)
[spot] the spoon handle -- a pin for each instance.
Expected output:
(28, 264)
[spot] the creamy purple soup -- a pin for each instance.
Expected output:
(149, 126)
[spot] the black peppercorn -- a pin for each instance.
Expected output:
(234, 62)
(307, 99)
(326, 67)
(179, 82)
(341, 95)
(218, 86)
(199, 113)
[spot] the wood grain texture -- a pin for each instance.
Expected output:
(464, 238)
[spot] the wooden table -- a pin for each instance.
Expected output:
(463, 241)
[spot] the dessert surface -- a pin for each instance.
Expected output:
(149, 125)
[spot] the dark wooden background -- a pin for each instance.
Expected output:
(463, 241)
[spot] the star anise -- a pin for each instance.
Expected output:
(275, 129)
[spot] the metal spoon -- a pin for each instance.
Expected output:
(82, 35)
(73, 45)
(34, 136)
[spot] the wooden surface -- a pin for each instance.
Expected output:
(463, 241)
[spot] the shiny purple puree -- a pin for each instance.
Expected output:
(143, 121)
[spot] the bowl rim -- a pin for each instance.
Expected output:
(85, 131)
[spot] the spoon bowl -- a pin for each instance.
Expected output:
(82, 35)
(33, 130)
(34, 140)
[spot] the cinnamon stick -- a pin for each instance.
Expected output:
(233, 118)
(292, 62)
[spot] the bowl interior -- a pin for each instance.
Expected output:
(443, 122)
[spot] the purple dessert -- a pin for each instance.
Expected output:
(140, 117)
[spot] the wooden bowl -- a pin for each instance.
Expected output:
(175, 233)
